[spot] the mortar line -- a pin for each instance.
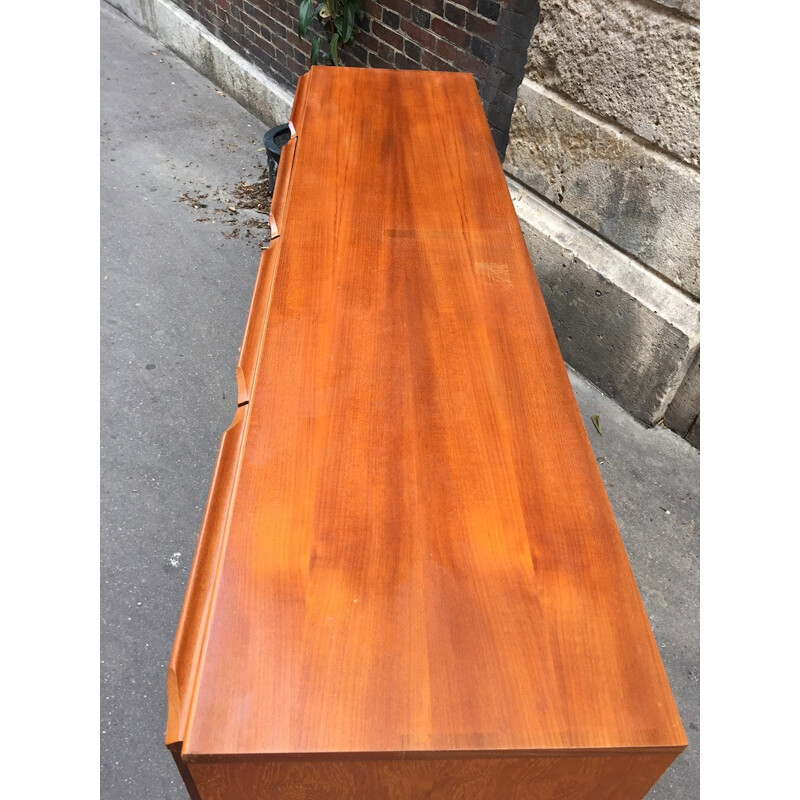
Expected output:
(602, 121)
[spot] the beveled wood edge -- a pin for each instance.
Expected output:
(257, 316)
(285, 167)
(184, 661)
(242, 389)
(281, 190)
(256, 323)
(297, 114)
(257, 320)
(424, 755)
(187, 648)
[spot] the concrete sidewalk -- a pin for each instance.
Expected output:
(176, 282)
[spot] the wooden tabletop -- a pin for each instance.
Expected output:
(408, 546)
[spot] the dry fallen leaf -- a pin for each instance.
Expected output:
(596, 423)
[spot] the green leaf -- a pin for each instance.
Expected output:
(339, 25)
(314, 51)
(349, 21)
(334, 46)
(304, 17)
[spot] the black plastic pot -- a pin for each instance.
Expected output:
(274, 139)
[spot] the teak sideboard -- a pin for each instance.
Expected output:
(408, 582)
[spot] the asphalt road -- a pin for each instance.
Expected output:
(175, 290)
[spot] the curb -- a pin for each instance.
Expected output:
(257, 92)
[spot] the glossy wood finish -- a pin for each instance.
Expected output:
(599, 777)
(408, 548)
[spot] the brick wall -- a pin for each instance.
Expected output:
(485, 37)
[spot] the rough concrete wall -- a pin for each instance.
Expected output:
(641, 199)
(691, 8)
(605, 141)
(635, 336)
(628, 61)
(683, 414)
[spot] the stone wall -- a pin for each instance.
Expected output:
(604, 158)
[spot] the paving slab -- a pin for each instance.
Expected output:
(174, 298)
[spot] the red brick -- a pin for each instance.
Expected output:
(387, 35)
(369, 42)
(482, 26)
(446, 50)
(402, 7)
(385, 52)
(449, 32)
(378, 63)
(467, 62)
(298, 67)
(434, 6)
(403, 62)
(269, 51)
(259, 16)
(430, 61)
(412, 50)
(284, 19)
(373, 9)
(419, 35)
(282, 71)
(454, 14)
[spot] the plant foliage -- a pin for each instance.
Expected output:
(338, 19)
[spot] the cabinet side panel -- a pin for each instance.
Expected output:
(282, 180)
(300, 96)
(191, 624)
(188, 781)
(256, 321)
(595, 777)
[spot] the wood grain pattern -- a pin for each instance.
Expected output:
(256, 321)
(418, 555)
(544, 778)
(183, 666)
